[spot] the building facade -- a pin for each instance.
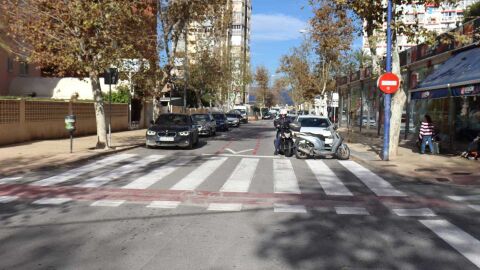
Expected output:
(439, 19)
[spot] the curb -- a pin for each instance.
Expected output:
(69, 162)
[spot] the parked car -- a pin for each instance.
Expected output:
(221, 120)
(172, 130)
(206, 124)
(233, 119)
(243, 111)
(316, 125)
(268, 116)
(372, 121)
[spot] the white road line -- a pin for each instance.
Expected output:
(63, 177)
(7, 199)
(108, 203)
(243, 156)
(463, 242)
(242, 176)
(158, 174)
(54, 201)
(224, 207)
(119, 172)
(341, 210)
(374, 182)
(9, 179)
(475, 207)
(164, 204)
(200, 174)
(464, 198)
(288, 208)
(419, 212)
(330, 183)
(284, 177)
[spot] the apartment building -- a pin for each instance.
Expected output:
(437, 18)
(236, 40)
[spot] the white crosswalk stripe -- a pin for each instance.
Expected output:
(330, 183)
(63, 177)
(242, 176)
(463, 242)
(200, 174)
(374, 182)
(7, 199)
(285, 180)
(158, 174)
(202, 169)
(119, 172)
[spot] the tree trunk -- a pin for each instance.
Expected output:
(397, 105)
(102, 142)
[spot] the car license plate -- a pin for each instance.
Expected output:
(167, 139)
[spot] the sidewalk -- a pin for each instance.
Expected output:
(24, 157)
(439, 169)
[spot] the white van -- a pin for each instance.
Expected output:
(243, 109)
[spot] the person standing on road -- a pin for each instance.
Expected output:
(426, 133)
(281, 123)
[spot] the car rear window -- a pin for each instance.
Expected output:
(314, 122)
(200, 117)
(231, 115)
(173, 119)
(219, 116)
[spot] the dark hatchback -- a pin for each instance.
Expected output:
(173, 130)
(221, 119)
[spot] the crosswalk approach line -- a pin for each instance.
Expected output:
(119, 172)
(331, 184)
(241, 177)
(375, 183)
(200, 174)
(285, 180)
(158, 174)
(461, 241)
(64, 177)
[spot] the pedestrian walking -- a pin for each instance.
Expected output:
(426, 133)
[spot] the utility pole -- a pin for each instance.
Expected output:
(388, 97)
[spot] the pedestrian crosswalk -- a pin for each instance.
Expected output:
(230, 174)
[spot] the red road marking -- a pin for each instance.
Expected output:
(221, 150)
(257, 146)
(29, 192)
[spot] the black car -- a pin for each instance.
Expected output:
(173, 130)
(221, 119)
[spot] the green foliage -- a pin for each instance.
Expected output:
(472, 12)
(121, 95)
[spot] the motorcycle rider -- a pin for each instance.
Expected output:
(282, 123)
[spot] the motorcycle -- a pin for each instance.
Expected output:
(309, 145)
(286, 142)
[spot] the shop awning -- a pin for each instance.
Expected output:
(458, 76)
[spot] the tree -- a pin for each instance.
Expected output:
(82, 37)
(262, 77)
(175, 19)
(372, 14)
(472, 12)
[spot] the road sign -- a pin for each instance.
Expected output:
(388, 83)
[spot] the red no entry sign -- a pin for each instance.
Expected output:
(388, 83)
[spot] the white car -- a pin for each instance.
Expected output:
(316, 125)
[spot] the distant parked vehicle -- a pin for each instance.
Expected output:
(233, 119)
(268, 116)
(172, 130)
(372, 121)
(221, 120)
(206, 124)
(243, 111)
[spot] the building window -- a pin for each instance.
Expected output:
(23, 69)
(9, 64)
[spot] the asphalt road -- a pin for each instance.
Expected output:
(231, 204)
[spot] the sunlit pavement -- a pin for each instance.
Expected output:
(231, 204)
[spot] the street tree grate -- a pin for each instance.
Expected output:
(426, 170)
(442, 179)
(461, 173)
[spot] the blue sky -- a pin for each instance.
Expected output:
(275, 29)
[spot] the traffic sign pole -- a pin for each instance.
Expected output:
(388, 97)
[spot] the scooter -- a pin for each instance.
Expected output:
(286, 142)
(309, 145)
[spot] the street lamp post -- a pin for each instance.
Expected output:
(388, 97)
